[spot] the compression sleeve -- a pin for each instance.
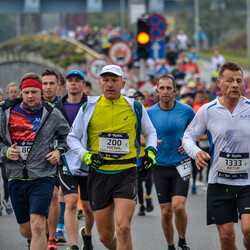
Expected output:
(77, 132)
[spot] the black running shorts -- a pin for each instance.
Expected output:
(57, 180)
(69, 185)
(103, 188)
(224, 202)
(168, 183)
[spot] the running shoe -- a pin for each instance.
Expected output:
(74, 247)
(60, 237)
(86, 240)
(184, 247)
(142, 211)
(52, 244)
(80, 215)
(149, 206)
(7, 206)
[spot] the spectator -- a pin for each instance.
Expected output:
(172, 55)
(217, 59)
(183, 41)
(193, 55)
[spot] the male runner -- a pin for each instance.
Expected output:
(226, 120)
(172, 170)
(106, 136)
(69, 106)
(28, 129)
(50, 85)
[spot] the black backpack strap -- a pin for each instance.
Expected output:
(10, 103)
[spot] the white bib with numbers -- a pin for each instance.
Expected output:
(114, 145)
(184, 168)
(233, 165)
(24, 147)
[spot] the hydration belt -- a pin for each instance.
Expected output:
(115, 162)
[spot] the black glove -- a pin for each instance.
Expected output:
(148, 159)
(96, 161)
(93, 160)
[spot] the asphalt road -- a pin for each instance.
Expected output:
(146, 230)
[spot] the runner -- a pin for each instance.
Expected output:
(227, 121)
(111, 124)
(13, 92)
(173, 167)
(29, 127)
(144, 175)
(69, 106)
(50, 85)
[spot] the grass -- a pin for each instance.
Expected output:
(238, 56)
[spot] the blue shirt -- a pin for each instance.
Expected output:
(170, 126)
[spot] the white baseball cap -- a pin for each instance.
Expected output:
(114, 69)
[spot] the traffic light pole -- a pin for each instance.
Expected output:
(142, 69)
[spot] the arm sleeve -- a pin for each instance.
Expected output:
(76, 137)
(194, 131)
(148, 130)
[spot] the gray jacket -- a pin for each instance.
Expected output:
(53, 127)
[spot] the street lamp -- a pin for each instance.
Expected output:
(196, 25)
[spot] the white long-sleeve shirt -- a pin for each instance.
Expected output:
(229, 137)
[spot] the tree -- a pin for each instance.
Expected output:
(218, 18)
(7, 27)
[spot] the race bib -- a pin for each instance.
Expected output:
(233, 165)
(24, 147)
(184, 169)
(114, 145)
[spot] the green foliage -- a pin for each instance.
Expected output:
(7, 27)
(217, 18)
(57, 50)
(240, 57)
(106, 20)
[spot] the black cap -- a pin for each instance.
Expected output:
(137, 94)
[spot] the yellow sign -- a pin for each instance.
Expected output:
(171, 24)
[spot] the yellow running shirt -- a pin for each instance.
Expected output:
(112, 131)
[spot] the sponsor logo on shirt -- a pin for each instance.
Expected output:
(245, 117)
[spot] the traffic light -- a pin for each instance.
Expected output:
(143, 37)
